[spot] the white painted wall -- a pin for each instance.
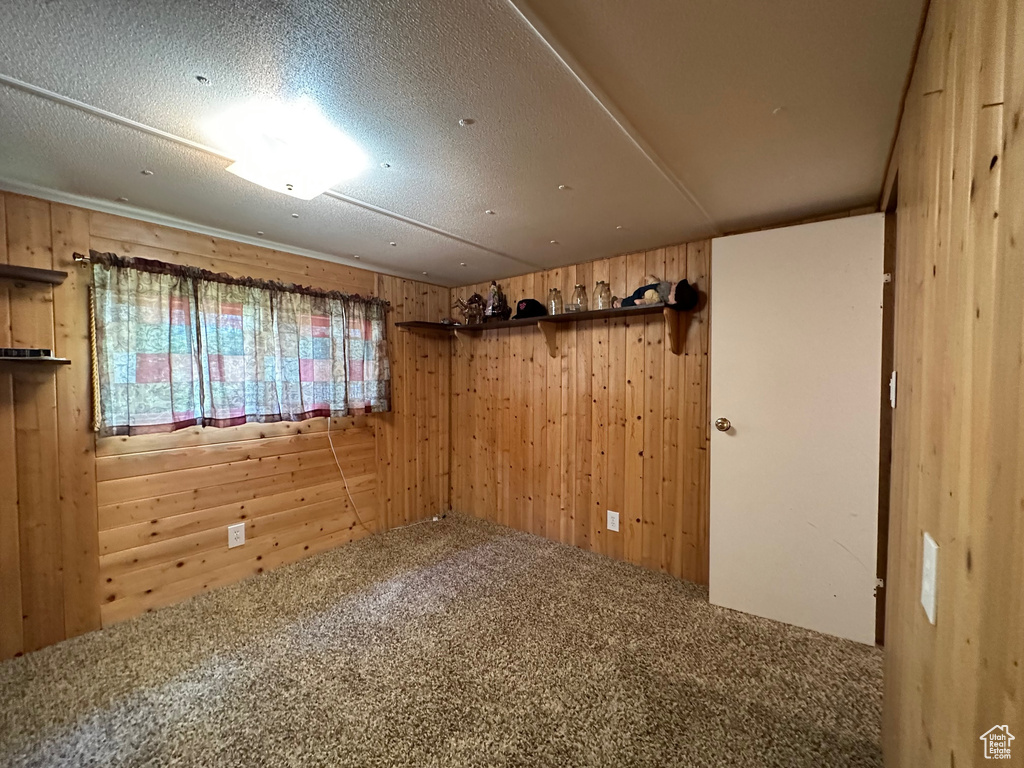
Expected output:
(796, 329)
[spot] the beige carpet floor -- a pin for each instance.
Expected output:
(456, 643)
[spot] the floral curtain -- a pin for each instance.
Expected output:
(368, 370)
(237, 354)
(310, 356)
(145, 338)
(178, 346)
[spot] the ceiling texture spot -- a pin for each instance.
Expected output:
(666, 118)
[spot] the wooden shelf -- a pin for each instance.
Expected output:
(496, 325)
(549, 323)
(608, 314)
(422, 326)
(34, 361)
(32, 274)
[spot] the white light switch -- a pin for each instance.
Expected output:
(613, 521)
(929, 575)
(236, 535)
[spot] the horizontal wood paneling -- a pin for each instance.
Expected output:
(96, 531)
(958, 452)
(171, 554)
(614, 421)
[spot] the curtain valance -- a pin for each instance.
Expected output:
(195, 273)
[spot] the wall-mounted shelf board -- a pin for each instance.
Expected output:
(496, 325)
(35, 360)
(39, 364)
(422, 326)
(677, 322)
(32, 274)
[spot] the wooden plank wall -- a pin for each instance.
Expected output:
(165, 502)
(615, 421)
(413, 440)
(100, 530)
(48, 555)
(958, 466)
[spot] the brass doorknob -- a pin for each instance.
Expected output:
(723, 425)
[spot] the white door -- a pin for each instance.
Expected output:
(796, 350)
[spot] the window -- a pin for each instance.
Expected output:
(179, 347)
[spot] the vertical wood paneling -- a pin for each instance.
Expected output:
(633, 492)
(11, 632)
(35, 420)
(599, 426)
(413, 438)
(76, 442)
(958, 450)
(568, 437)
(551, 443)
(652, 531)
(582, 426)
(672, 478)
(696, 418)
(539, 398)
(617, 344)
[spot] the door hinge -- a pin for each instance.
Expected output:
(887, 277)
(892, 390)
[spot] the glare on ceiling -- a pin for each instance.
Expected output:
(287, 147)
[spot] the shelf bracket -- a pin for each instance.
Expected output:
(550, 332)
(677, 324)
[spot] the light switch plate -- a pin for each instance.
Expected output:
(613, 521)
(236, 535)
(929, 575)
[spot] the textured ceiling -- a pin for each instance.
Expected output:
(656, 116)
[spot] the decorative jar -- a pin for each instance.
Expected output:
(578, 303)
(555, 302)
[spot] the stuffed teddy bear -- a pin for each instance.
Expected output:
(682, 295)
(654, 291)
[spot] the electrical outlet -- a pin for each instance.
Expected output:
(613, 521)
(929, 575)
(236, 535)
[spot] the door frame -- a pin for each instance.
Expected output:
(885, 433)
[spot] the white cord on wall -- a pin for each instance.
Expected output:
(344, 479)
